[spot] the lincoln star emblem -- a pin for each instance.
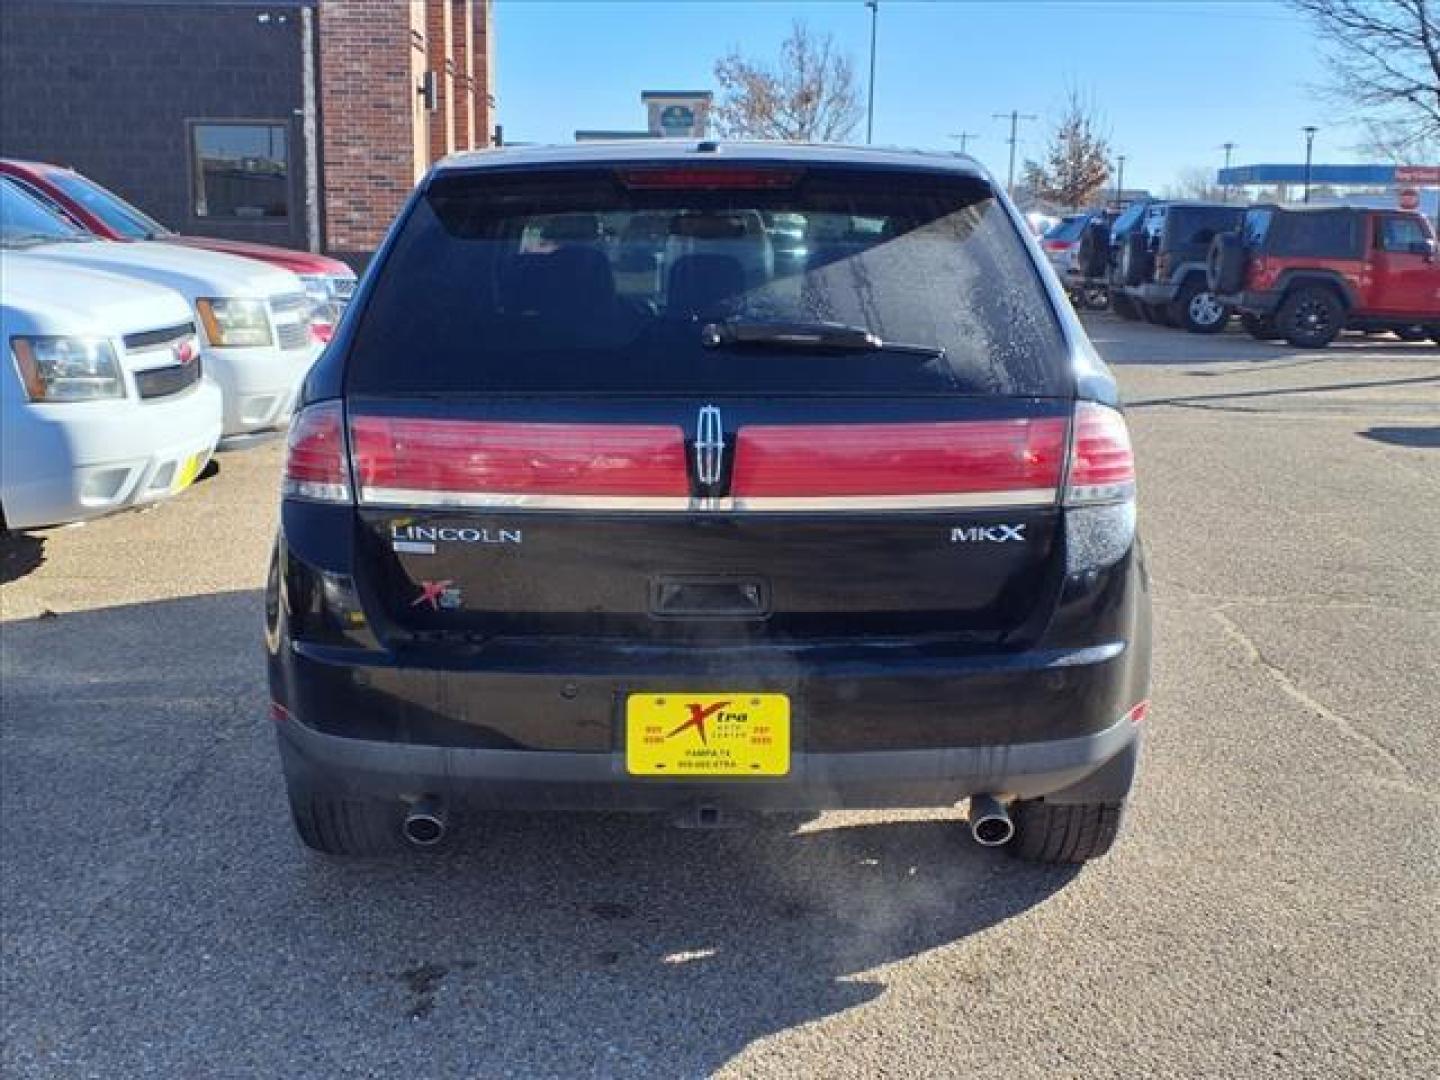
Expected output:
(709, 446)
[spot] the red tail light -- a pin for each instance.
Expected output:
(1102, 465)
(1057, 245)
(315, 466)
(713, 178)
(477, 463)
(1002, 462)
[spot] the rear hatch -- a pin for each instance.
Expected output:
(864, 441)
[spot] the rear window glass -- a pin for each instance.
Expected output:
(575, 283)
(1320, 233)
(1196, 226)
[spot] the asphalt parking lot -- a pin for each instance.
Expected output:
(1274, 908)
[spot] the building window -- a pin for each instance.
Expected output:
(242, 170)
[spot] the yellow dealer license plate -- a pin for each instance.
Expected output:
(707, 735)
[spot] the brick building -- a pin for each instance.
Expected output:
(296, 122)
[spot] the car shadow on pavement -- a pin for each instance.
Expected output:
(160, 913)
(20, 554)
(1422, 438)
(1126, 342)
(1283, 391)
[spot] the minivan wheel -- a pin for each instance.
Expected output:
(1310, 318)
(349, 827)
(1199, 310)
(1064, 832)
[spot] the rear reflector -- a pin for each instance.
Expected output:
(966, 463)
(315, 455)
(714, 178)
(1102, 465)
(423, 462)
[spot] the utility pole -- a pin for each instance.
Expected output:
(1014, 116)
(1229, 148)
(1309, 130)
(874, 6)
(964, 137)
(1119, 179)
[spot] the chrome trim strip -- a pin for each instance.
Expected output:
(506, 500)
(972, 500)
(515, 500)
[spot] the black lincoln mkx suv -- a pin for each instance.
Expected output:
(606, 497)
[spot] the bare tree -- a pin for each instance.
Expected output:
(1076, 163)
(810, 96)
(1196, 182)
(1384, 61)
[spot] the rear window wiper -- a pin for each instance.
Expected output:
(807, 335)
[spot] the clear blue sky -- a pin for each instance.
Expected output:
(1174, 79)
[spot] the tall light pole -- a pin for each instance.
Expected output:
(1119, 179)
(1014, 116)
(964, 137)
(1309, 130)
(874, 6)
(1229, 148)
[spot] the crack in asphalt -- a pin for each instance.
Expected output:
(1349, 727)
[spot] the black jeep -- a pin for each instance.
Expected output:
(1158, 263)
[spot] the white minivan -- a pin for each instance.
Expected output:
(253, 319)
(104, 404)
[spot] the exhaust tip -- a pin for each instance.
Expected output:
(990, 822)
(425, 824)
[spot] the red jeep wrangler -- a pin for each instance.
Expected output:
(1306, 274)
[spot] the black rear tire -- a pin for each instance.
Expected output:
(1310, 317)
(1260, 327)
(1136, 260)
(348, 827)
(1064, 832)
(1122, 305)
(1225, 263)
(1199, 310)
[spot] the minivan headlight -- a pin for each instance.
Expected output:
(231, 323)
(67, 368)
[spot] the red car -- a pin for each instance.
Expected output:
(99, 211)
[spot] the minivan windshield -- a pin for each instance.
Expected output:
(579, 282)
(24, 221)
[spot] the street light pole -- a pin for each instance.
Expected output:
(1014, 116)
(1119, 179)
(874, 6)
(1309, 131)
(1228, 148)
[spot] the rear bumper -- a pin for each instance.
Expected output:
(539, 780)
(1154, 293)
(872, 725)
